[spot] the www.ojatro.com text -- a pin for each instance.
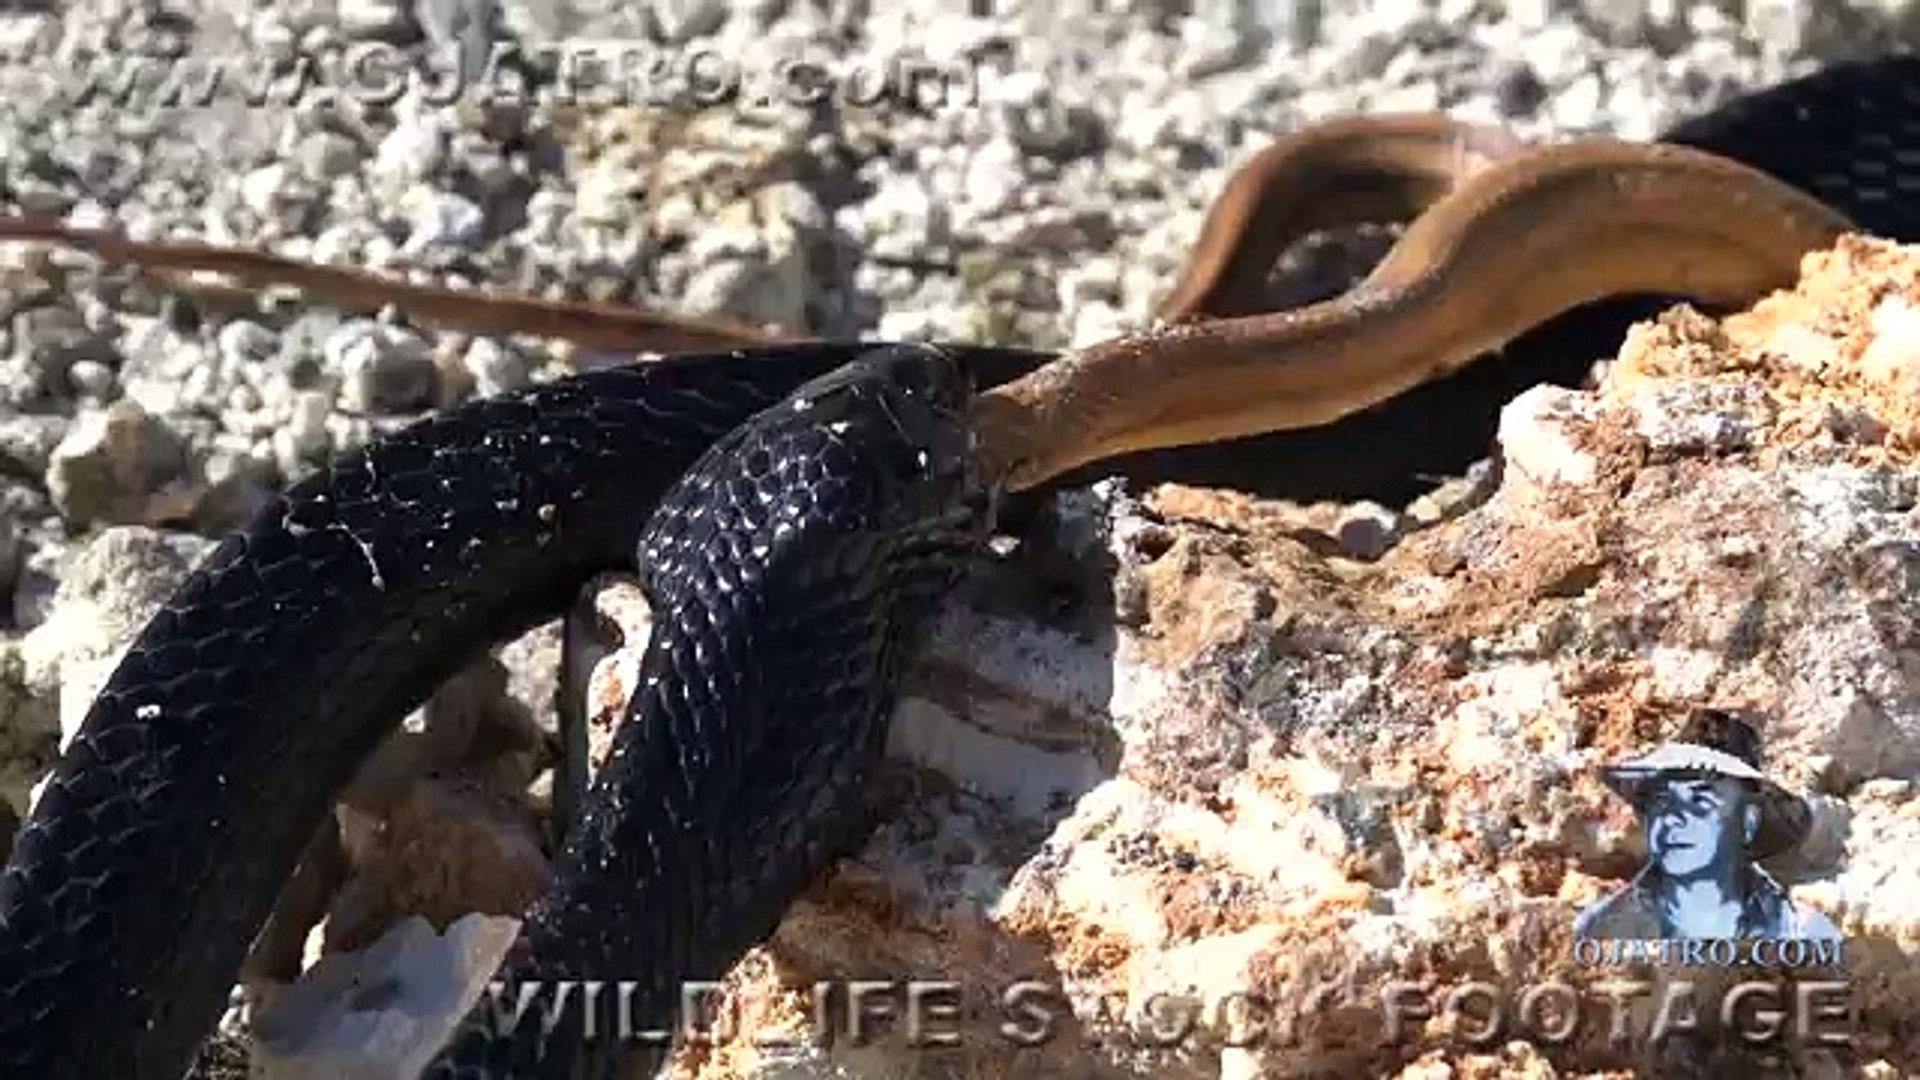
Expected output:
(601, 72)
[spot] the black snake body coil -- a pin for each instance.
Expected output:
(789, 570)
(843, 514)
(237, 714)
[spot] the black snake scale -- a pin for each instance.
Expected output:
(796, 562)
(238, 712)
(840, 519)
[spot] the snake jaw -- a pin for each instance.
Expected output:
(921, 392)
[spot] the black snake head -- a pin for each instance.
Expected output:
(919, 391)
(901, 409)
(918, 441)
(881, 447)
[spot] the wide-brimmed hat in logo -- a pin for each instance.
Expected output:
(1715, 743)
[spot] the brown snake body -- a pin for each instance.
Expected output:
(1505, 236)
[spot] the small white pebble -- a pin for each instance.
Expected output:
(1536, 433)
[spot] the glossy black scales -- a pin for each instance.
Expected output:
(792, 573)
(240, 710)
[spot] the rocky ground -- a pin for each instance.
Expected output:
(1253, 730)
(1283, 774)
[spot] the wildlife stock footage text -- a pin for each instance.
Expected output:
(1764, 994)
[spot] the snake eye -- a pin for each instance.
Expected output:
(921, 371)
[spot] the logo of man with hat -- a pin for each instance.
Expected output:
(1710, 814)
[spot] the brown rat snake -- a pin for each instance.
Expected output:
(797, 511)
